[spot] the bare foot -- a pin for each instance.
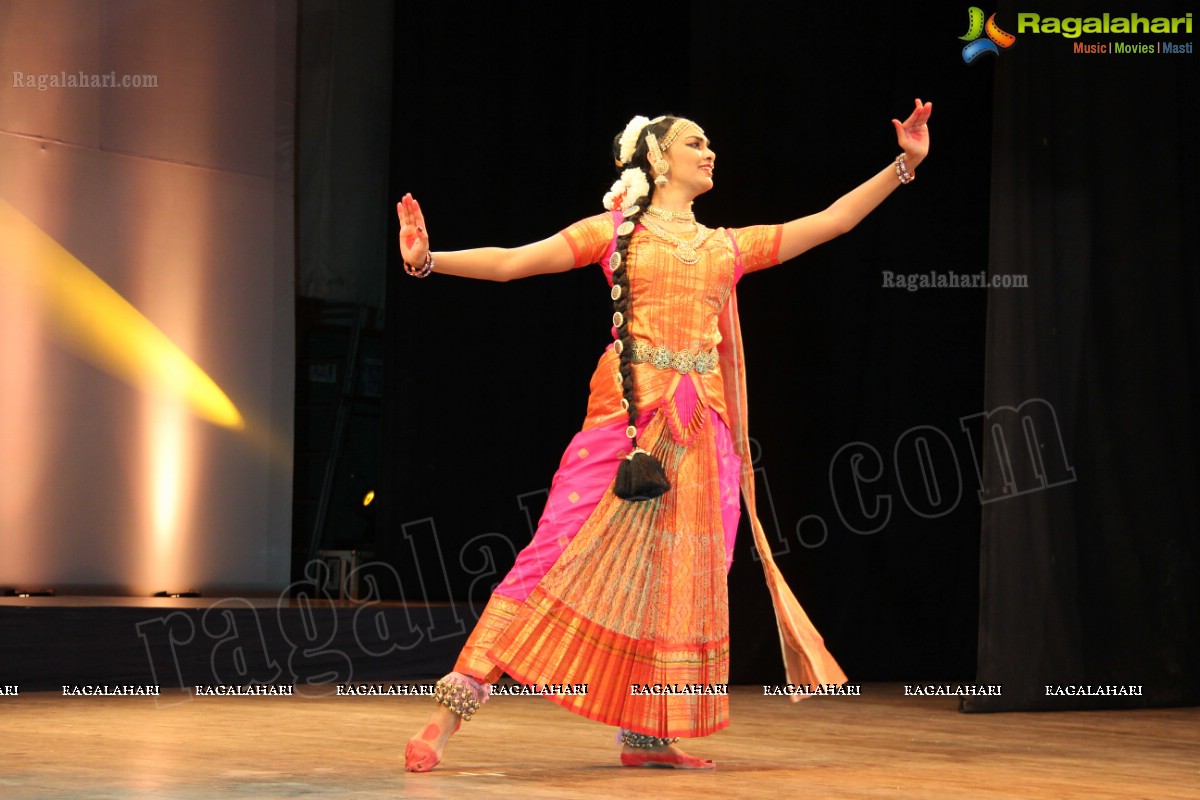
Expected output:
(666, 756)
(424, 751)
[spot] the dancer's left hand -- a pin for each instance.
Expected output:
(913, 134)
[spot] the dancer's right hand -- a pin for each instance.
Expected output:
(414, 239)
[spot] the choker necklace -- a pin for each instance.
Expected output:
(684, 251)
(671, 216)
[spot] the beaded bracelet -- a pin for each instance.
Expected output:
(423, 270)
(902, 170)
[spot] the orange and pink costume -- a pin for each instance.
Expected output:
(617, 594)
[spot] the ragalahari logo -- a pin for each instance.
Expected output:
(976, 27)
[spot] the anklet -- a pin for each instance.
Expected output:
(641, 741)
(461, 694)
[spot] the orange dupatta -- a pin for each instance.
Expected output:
(805, 659)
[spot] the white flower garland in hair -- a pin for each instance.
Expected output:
(627, 190)
(630, 136)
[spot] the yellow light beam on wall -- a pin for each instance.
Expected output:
(94, 321)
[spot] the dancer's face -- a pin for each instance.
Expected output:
(692, 161)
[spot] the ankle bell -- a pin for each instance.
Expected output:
(641, 741)
(461, 694)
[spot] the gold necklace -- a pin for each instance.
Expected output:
(685, 251)
(671, 216)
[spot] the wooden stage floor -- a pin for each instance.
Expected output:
(879, 745)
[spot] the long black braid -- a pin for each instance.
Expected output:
(641, 477)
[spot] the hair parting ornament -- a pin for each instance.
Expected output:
(628, 140)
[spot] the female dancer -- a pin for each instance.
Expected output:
(622, 588)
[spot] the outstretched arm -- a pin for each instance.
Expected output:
(849, 209)
(486, 263)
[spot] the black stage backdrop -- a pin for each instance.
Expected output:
(867, 402)
(1090, 565)
(503, 128)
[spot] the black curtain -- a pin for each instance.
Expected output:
(343, 119)
(504, 122)
(1090, 573)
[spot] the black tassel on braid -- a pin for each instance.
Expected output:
(640, 475)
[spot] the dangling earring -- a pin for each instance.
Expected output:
(661, 167)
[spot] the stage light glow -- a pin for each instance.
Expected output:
(22, 435)
(368, 498)
(169, 448)
(93, 320)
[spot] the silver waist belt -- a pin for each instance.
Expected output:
(683, 361)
